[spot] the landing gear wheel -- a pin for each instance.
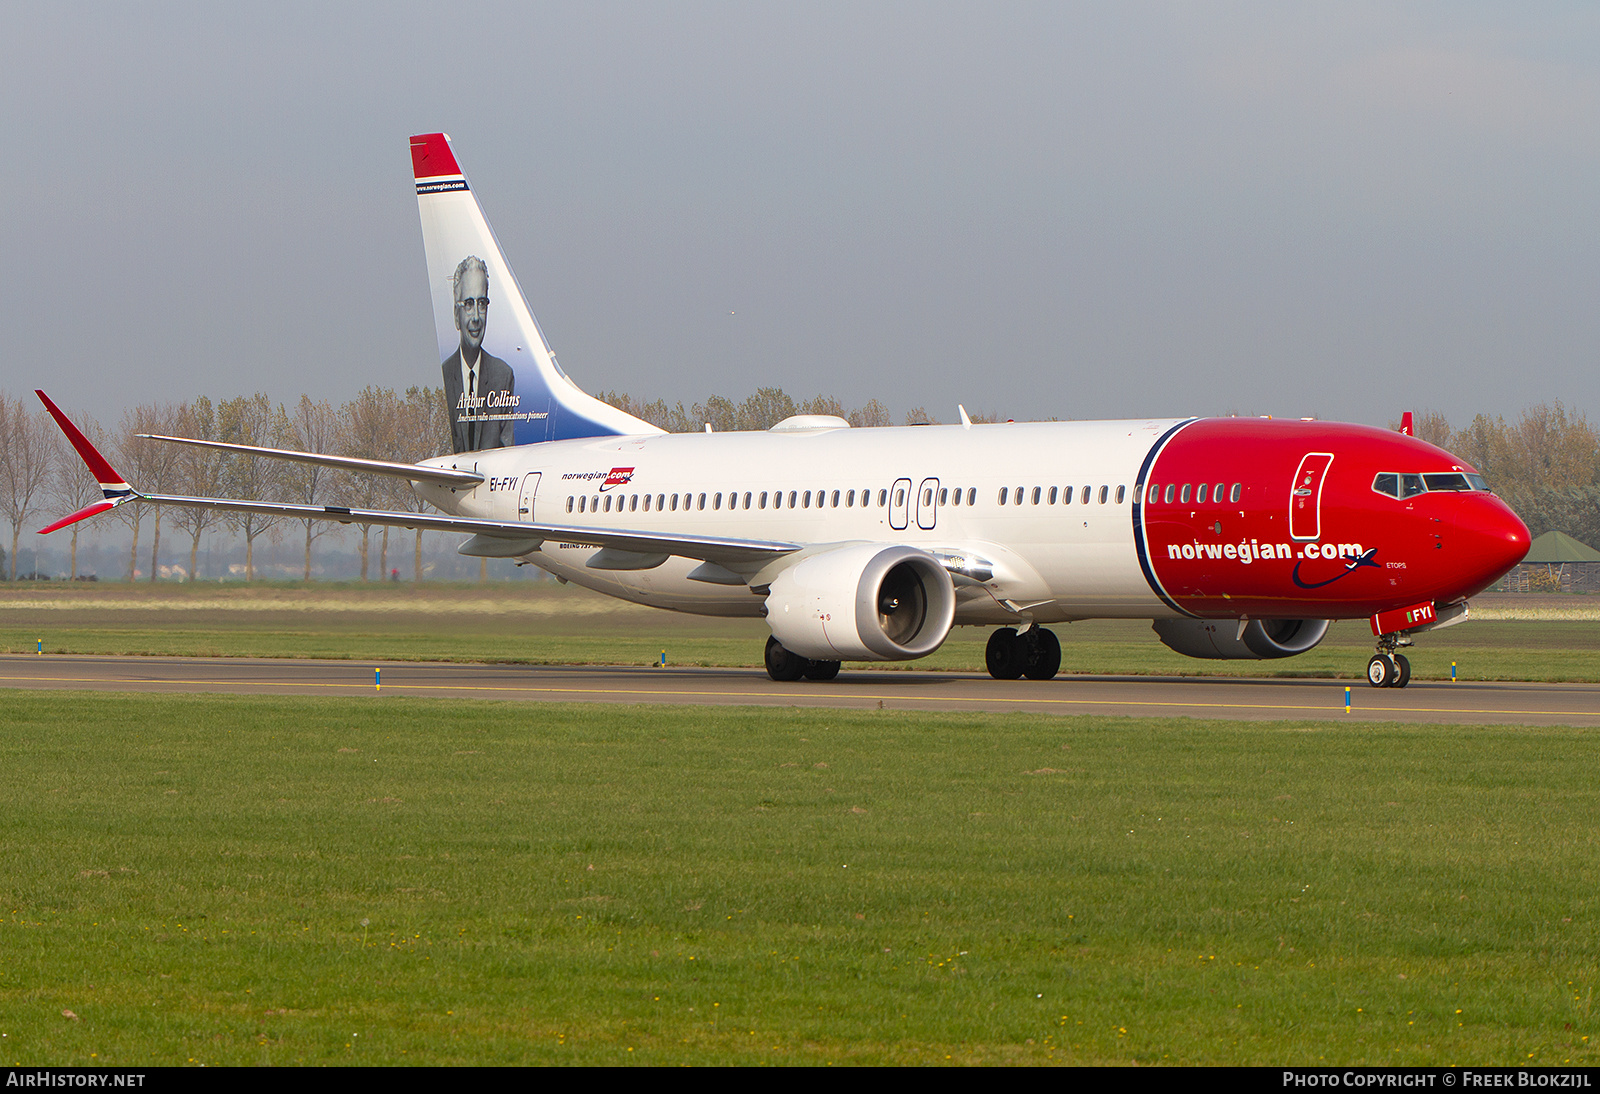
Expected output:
(1382, 671)
(821, 670)
(1403, 676)
(782, 665)
(1044, 654)
(1006, 655)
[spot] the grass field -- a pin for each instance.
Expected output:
(1524, 638)
(268, 880)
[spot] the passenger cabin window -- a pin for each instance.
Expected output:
(1105, 492)
(1121, 492)
(1236, 493)
(1200, 494)
(1183, 496)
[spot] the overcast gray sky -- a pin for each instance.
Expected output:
(1065, 210)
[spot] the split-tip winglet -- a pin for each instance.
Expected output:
(112, 485)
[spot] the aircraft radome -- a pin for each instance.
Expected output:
(1237, 537)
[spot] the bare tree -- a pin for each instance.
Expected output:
(424, 432)
(310, 427)
(157, 462)
(71, 484)
(369, 424)
(28, 458)
(149, 465)
(249, 419)
(872, 416)
(199, 474)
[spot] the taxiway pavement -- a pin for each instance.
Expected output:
(1141, 696)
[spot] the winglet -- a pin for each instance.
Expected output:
(112, 485)
(82, 514)
(1405, 424)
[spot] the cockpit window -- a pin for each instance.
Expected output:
(1397, 485)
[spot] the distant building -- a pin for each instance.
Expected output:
(1556, 563)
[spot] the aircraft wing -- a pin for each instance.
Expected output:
(706, 548)
(416, 472)
(719, 549)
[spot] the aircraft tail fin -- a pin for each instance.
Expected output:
(501, 380)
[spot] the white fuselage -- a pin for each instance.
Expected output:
(1034, 553)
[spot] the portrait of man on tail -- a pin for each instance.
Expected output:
(478, 386)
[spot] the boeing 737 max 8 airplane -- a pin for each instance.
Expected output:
(1238, 538)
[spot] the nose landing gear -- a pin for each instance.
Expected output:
(1389, 669)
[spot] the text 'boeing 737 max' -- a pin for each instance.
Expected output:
(1238, 538)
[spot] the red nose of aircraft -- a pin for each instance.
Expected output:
(1490, 540)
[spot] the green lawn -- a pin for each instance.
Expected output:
(270, 880)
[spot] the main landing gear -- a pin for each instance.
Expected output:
(1389, 669)
(788, 667)
(1035, 653)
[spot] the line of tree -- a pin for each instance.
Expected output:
(40, 474)
(762, 410)
(1545, 464)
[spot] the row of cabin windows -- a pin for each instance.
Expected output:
(1172, 492)
(1040, 495)
(796, 499)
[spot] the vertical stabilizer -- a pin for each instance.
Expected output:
(501, 381)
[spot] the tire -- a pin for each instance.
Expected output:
(1381, 671)
(1044, 654)
(1006, 655)
(821, 670)
(782, 665)
(1403, 676)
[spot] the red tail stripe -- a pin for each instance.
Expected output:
(431, 156)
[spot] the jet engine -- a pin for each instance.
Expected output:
(1220, 639)
(863, 603)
